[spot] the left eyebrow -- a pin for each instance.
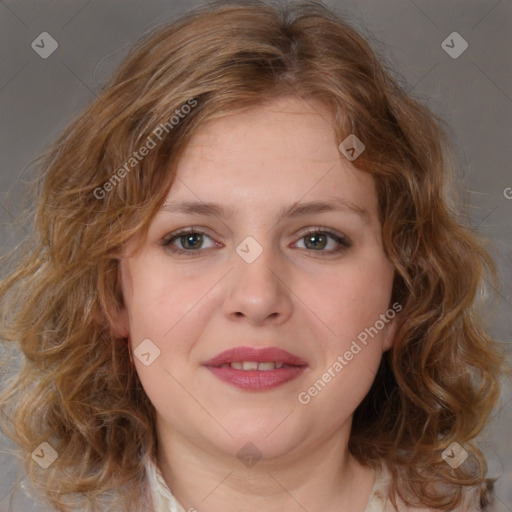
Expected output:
(296, 209)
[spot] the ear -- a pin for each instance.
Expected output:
(119, 315)
(121, 322)
(389, 334)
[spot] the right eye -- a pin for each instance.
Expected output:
(187, 241)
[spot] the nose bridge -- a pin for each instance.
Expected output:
(256, 292)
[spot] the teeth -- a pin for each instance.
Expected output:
(249, 365)
(254, 365)
(267, 366)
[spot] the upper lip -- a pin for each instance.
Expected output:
(261, 355)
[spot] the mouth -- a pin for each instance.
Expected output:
(254, 365)
(256, 369)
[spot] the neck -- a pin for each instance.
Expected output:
(323, 477)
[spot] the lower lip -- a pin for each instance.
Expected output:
(256, 380)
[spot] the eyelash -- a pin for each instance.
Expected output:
(344, 242)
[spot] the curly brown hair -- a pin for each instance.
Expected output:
(439, 382)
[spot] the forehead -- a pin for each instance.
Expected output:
(280, 129)
(280, 151)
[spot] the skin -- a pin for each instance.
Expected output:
(312, 302)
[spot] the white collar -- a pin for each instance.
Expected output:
(163, 500)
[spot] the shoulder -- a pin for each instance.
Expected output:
(380, 502)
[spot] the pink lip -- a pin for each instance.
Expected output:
(261, 355)
(256, 380)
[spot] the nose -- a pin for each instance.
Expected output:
(257, 292)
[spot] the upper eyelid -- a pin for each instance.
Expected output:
(203, 231)
(186, 230)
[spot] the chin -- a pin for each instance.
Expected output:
(260, 441)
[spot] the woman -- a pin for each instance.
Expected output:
(247, 288)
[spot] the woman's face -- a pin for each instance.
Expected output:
(284, 253)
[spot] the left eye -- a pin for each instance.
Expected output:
(323, 241)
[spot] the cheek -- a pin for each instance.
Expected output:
(170, 310)
(353, 297)
(157, 295)
(351, 306)
(167, 307)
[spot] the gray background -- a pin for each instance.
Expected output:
(473, 93)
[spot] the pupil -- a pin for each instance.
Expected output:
(311, 240)
(192, 240)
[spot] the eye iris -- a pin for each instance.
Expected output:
(316, 240)
(191, 240)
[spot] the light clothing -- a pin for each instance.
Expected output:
(164, 501)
